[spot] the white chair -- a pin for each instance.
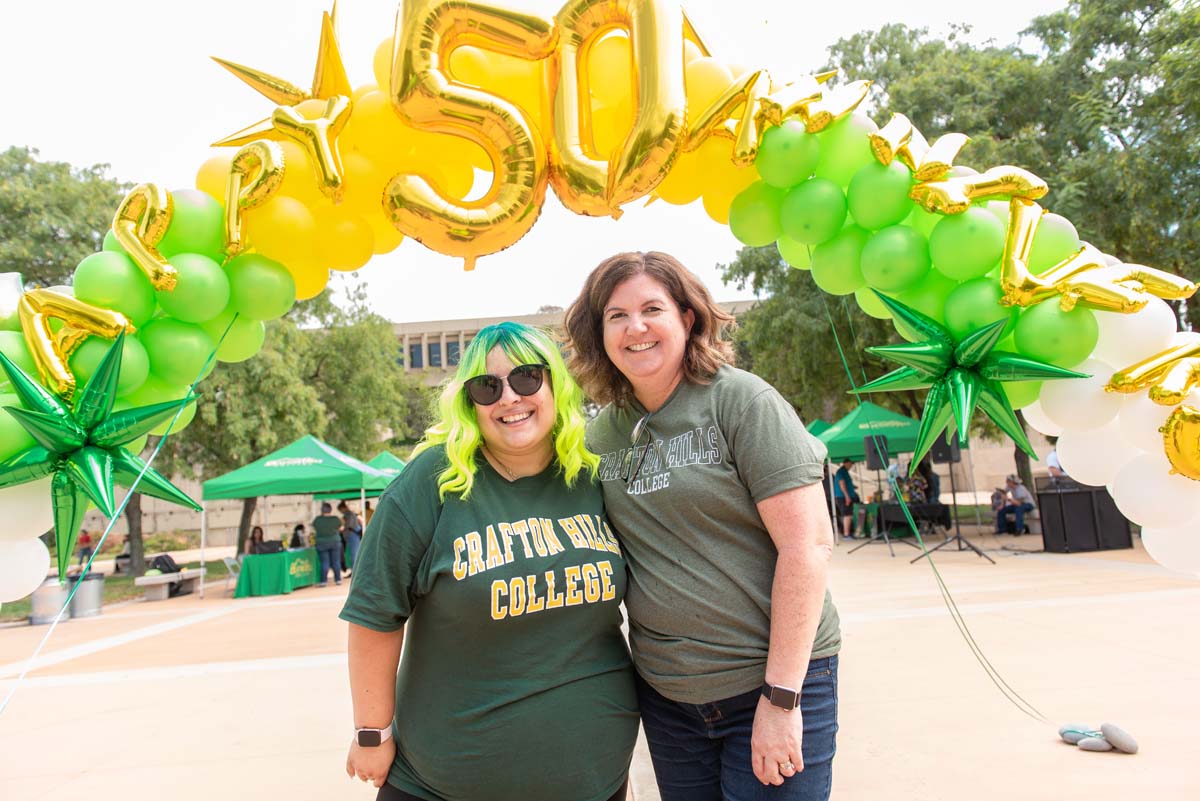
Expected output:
(233, 568)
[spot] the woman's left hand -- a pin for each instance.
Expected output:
(775, 741)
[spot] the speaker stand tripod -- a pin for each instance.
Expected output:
(962, 542)
(881, 530)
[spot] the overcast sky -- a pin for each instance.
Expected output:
(129, 83)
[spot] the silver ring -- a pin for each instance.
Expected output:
(786, 766)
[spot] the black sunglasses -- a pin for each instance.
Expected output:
(640, 428)
(486, 389)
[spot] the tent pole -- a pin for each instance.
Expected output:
(837, 534)
(203, 539)
(266, 518)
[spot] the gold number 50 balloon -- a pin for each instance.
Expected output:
(426, 33)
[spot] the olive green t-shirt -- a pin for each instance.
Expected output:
(515, 682)
(327, 528)
(701, 562)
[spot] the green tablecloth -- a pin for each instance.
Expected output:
(276, 573)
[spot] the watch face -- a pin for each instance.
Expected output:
(369, 738)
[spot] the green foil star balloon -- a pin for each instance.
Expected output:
(81, 448)
(959, 376)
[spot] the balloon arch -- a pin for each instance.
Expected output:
(605, 103)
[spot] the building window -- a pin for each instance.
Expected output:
(452, 354)
(435, 354)
(415, 361)
(400, 355)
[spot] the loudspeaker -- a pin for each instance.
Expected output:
(945, 449)
(876, 449)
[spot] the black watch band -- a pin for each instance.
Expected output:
(782, 697)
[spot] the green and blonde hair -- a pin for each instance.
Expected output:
(458, 426)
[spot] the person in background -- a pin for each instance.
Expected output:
(845, 496)
(351, 532)
(933, 482)
(1019, 501)
(254, 542)
(329, 544)
(1052, 462)
(367, 512)
(85, 546)
(299, 537)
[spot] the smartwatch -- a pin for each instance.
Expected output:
(371, 738)
(782, 697)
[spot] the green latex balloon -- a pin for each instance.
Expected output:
(797, 254)
(998, 209)
(788, 154)
(111, 244)
(845, 148)
(754, 214)
(178, 351)
(135, 365)
(1047, 333)
(197, 225)
(895, 258)
(870, 303)
(1055, 240)
(112, 281)
(14, 438)
(878, 195)
(1021, 393)
(967, 245)
(929, 295)
(923, 222)
(12, 345)
(813, 212)
(202, 290)
(154, 390)
(243, 339)
(259, 288)
(835, 264)
(975, 304)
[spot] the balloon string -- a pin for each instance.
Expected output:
(113, 520)
(956, 615)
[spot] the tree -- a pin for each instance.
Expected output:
(52, 215)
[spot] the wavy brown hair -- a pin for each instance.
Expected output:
(707, 346)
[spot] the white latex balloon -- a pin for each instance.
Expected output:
(23, 567)
(1093, 457)
(1082, 403)
(1140, 419)
(1126, 339)
(1148, 494)
(25, 511)
(1038, 421)
(1175, 548)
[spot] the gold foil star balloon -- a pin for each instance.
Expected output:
(82, 449)
(960, 376)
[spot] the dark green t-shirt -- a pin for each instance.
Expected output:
(515, 682)
(701, 562)
(326, 528)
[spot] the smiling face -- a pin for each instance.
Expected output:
(516, 428)
(645, 335)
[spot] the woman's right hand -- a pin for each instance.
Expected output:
(371, 764)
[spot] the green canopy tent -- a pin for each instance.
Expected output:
(306, 466)
(386, 461)
(844, 439)
(818, 427)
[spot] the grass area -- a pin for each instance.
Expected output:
(116, 589)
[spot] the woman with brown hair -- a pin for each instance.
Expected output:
(714, 485)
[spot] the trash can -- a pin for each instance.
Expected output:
(90, 595)
(47, 600)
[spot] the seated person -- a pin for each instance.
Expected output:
(1017, 500)
(299, 538)
(254, 543)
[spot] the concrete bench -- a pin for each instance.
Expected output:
(158, 588)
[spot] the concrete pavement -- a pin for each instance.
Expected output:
(200, 699)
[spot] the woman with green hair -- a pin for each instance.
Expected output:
(491, 555)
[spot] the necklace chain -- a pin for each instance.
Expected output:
(511, 475)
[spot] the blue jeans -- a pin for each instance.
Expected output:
(330, 555)
(1018, 511)
(701, 752)
(353, 540)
